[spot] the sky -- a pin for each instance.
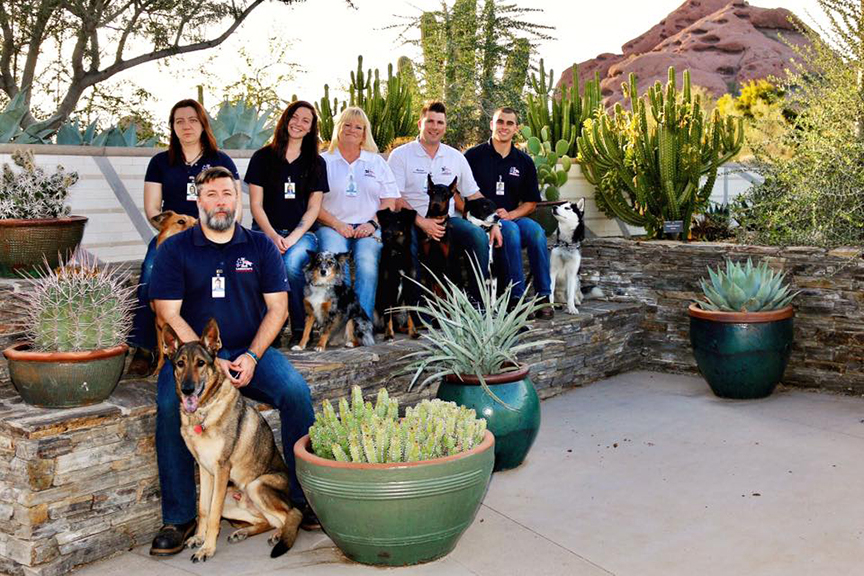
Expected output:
(326, 36)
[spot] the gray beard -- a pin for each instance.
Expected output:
(217, 224)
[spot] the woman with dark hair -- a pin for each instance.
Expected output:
(169, 184)
(287, 181)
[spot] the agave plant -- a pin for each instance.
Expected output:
(362, 432)
(10, 123)
(71, 134)
(238, 126)
(745, 288)
(464, 337)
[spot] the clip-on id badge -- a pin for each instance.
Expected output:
(290, 190)
(217, 286)
(499, 187)
(191, 192)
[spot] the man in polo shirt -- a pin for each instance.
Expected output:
(218, 269)
(507, 176)
(411, 163)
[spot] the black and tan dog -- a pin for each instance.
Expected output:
(331, 303)
(482, 212)
(436, 253)
(231, 442)
(397, 266)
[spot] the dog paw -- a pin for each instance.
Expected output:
(194, 541)
(572, 310)
(319, 348)
(238, 535)
(349, 345)
(297, 348)
(203, 554)
(274, 538)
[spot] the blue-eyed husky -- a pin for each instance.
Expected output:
(567, 256)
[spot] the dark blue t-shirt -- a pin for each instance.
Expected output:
(272, 174)
(251, 266)
(516, 171)
(174, 179)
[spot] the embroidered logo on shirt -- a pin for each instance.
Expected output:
(514, 171)
(446, 171)
(420, 171)
(368, 172)
(243, 265)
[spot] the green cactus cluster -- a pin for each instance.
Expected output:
(29, 192)
(387, 104)
(360, 432)
(648, 170)
(239, 126)
(327, 113)
(553, 163)
(78, 307)
(562, 112)
(745, 288)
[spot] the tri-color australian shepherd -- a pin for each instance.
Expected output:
(331, 303)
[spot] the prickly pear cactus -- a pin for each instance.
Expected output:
(552, 162)
(361, 432)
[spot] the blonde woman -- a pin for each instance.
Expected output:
(361, 183)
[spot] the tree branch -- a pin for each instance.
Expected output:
(7, 79)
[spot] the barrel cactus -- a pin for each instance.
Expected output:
(745, 288)
(361, 432)
(78, 307)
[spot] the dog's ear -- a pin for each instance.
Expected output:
(342, 257)
(408, 215)
(312, 254)
(383, 215)
(429, 184)
(170, 341)
(161, 217)
(453, 184)
(210, 338)
(580, 204)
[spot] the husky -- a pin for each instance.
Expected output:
(567, 256)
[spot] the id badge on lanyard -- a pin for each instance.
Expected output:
(499, 187)
(191, 190)
(351, 188)
(290, 190)
(217, 285)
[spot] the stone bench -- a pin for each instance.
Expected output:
(79, 484)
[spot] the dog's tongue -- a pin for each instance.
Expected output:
(190, 403)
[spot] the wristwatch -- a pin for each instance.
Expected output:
(374, 224)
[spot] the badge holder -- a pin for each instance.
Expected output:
(191, 192)
(217, 286)
(290, 190)
(499, 187)
(351, 188)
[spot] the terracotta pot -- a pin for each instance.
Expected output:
(25, 243)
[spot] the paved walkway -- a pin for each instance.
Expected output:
(642, 474)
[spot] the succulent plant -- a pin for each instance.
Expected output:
(361, 432)
(388, 107)
(10, 123)
(713, 224)
(238, 126)
(326, 113)
(78, 306)
(30, 192)
(552, 163)
(70, 134)
(745, 288)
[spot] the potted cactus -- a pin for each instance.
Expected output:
(76, 319)
(34, 219)
(473, 347)
(742, 332)
(395, 492)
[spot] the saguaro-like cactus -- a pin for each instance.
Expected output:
(388, 107)
(646, 172)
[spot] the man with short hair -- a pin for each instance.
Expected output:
(411, 163)
(508, 177)
(218, 269)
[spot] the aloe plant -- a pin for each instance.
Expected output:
(238, 126)
(361, 432)
(745, 288)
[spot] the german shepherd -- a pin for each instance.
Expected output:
(396, 271)
(331, 302)
(436, 253)
(232, 443)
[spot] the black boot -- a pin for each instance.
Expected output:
(171, 538)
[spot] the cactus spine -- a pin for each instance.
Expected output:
(647, 173)
(371, 433)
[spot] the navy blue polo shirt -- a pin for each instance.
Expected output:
(270, 172)
(516, 170)
(175, 178)
(251, 265)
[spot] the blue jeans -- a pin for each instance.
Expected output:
(274, 382)
(475, 242)
(296, 258)
(526, 233)
(366, 253)
(143, 334)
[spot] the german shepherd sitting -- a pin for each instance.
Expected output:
(397, 266)
(437, 253)
(231, 442)
(331, 302)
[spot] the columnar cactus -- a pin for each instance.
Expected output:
(388, 108)
(646, 172)
(78, 307)
(326, 113)
(361, 432)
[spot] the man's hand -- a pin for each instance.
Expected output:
(364, 231)
(346, 230)
(504, 214)
(401, 203)
(243, 366)
(433, 227)
(495, 236)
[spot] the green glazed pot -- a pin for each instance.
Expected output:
(65, 379)
(741, 355)
(515, 429)
(396, 514)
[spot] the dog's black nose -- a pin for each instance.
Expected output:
(187, 387)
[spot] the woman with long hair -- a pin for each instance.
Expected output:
(169, 184)
(361, 183)
(287, 181)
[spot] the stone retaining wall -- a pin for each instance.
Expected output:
(80, 484)
(829, 323)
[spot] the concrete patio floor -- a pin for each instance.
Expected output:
(641, 474)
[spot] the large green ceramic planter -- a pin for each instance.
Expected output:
(741, 355)
(396, 514)
(65, 379)
(516, 428)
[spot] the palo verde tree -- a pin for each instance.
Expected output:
(67, 46)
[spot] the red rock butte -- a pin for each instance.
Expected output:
(724, 45)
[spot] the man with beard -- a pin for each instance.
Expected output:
(218, 269)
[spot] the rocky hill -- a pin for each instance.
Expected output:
(723, 43)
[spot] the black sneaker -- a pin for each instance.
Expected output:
(171, 539)
(310, 519)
